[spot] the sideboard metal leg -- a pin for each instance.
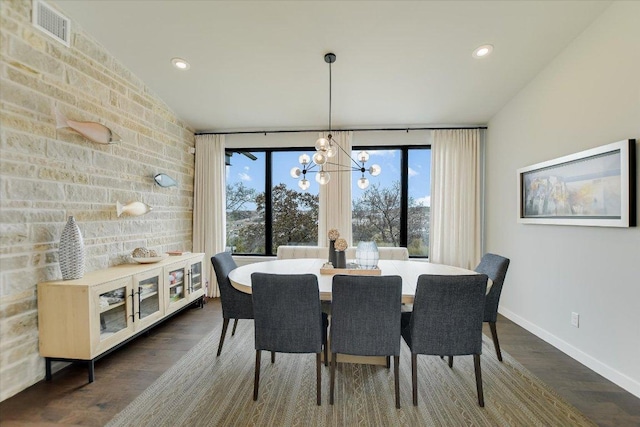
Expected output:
(47, 365)
(91, 367)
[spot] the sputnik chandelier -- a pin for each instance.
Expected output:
(326, 149)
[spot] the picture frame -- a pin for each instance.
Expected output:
(595, 187)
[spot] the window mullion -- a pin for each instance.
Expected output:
(268, 213)
(404, 196)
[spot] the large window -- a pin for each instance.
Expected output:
(376, 210)
(294, 213)
(245, 196)
(266, 208)
(395, 209)
(418, 201)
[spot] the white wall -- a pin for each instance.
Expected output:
(586, 97)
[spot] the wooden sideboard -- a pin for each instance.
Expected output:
(84, 319)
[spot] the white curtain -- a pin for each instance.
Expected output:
(335, 197)
(455, 198)
(209, 203)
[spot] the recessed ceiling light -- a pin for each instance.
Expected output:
(482, 51)
(180, 63)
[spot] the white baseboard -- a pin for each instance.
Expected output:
(606, 371)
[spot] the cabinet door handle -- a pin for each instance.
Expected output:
(189, 279)
(133, 306)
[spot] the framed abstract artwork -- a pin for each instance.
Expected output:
(596, 187)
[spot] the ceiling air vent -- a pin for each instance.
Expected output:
(51, 22)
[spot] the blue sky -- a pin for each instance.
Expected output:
(251, 173)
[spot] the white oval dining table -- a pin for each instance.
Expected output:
(409, 271)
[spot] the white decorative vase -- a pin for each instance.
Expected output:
(367, 255)
(71, 251)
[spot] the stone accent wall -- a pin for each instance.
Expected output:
(48, 174)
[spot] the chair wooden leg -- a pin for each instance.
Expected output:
(451, 361)
(273, 357)
(396, 375)
(225, 323)
(496, 343)
(333, 377)
(318, 379)
(414, 377)
(326, 347)
(476, 364)
(256, 379)
(326, 355)
(235, 325)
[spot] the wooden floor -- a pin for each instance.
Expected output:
(121, 376)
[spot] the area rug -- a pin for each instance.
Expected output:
(204, 390)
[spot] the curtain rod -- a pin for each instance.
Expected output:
(335, 130)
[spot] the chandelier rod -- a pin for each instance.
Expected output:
(328, 58)
(352, 168)
(346, 154)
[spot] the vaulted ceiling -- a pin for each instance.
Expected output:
(259, 65)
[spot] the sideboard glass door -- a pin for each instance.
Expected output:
(177, 286)
(149, 306)
(196, 277)
(115, 312)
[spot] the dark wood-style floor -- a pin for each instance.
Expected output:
(122, 375)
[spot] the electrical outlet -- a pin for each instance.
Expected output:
(575, 319)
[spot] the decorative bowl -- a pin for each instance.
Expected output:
(150, 260)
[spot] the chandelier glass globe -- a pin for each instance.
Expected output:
(320, 157)
(304, 159)
(375, 170)
(363, 156)
(304, 184)
(323, 177)
(322, 144)
(363, 183)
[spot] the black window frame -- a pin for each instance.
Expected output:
(404, 186)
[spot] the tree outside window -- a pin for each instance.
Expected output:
(293, 212)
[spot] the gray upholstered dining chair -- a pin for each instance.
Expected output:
(494, 266)
(288, 319)
(365, 320)
(446, 321)
(235, 304)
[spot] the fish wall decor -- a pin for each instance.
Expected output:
(93, 131)
(164, 180)
(133, 208)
